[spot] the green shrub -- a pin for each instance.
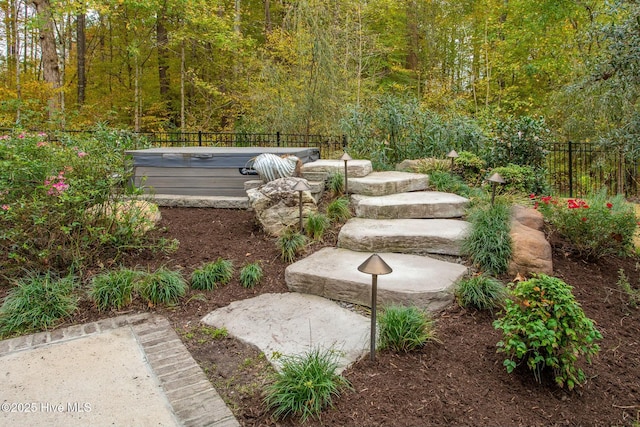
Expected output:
(521, 179)
(335, 183)
(488, 244)
(469, 166)
(596, 226)
(290, 243)
(163, 286)
(305, 385)
(430, 165)
(448, 183)
(545, 327)
(403, 329)
(481, 292)
(211, 274)
(39, 301)
(251, 275)
(316, 224)
(338, 209)
(114, 289)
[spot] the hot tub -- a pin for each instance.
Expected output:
(203, 171)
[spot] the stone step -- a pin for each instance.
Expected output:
(390, 182)
(217, 202)
(411, 236)
(416, 280)
(420, 204)
(320, 169)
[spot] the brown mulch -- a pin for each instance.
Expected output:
(459, 381)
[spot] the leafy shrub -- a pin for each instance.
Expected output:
(403, 329)
(488, 244)
(306, 385)
(521, 179)
(596, 226)
(545, 327)
(481, 292)
(290, 243)
(316, 224)
(211, 274)
(250, 275)
(448, 183)
(114, 289)
(519, 141)
(39, 301)
(163, 286)
(430, 165)
(469, 166)
(338, 209)
(335, 183)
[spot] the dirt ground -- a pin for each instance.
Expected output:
(459, 381)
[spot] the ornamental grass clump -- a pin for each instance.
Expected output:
(544, 327)
(488, 244)
(305, 385)
(37, 302)
(338, 209)
(251, 275)
(290, 243)
(480, 291)
(595, 226)
(163, 286)
(210, 275)
(335, 183)
(316, 224)
(403, 329)
(114, 289)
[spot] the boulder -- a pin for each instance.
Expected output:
(276, 204)
(531, 250)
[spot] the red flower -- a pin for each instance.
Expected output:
(532, 196)
(571, 204)
(584, 219)
(546, 199)
(535, 205)
(609, 205)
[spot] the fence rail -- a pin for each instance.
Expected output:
(574, 169)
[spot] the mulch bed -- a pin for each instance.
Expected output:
(458, 381)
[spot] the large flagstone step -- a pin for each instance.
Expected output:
(384, 183)
(412, 236)
(320, 169)
(416, 280)
(420, 204)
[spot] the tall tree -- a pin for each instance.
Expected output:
(50, 64)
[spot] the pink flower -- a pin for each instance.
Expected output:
(21, 136)
(6, 207)
(41, 144)
(4, 137)
(42, 134)
(81, 154)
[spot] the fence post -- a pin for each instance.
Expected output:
(278, 138)
(570, 169)
(199, 138)
(344, 143)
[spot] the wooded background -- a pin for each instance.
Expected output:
(320, 66)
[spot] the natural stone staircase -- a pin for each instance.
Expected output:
(399, 220)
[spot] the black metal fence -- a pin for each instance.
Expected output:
(327, 145)
(579, 168)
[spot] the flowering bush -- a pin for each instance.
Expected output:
(57, 201)
(595, 226)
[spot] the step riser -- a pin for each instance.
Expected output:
(332, 273)
(386, 183)
(364, 210)
(411, 236)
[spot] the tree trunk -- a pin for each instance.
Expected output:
(267, 16)
(81, 52)
(163, 57)
(50, 66)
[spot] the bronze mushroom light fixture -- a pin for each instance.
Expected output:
(375, 266)
(301, 186)
(452, 155)
(495, 179)
(345, 157)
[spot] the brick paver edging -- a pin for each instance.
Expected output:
(192, 397)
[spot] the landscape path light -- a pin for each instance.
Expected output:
(452, 155)
(495, 179)
(375, 266)
(301, 186)
(345, 157)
